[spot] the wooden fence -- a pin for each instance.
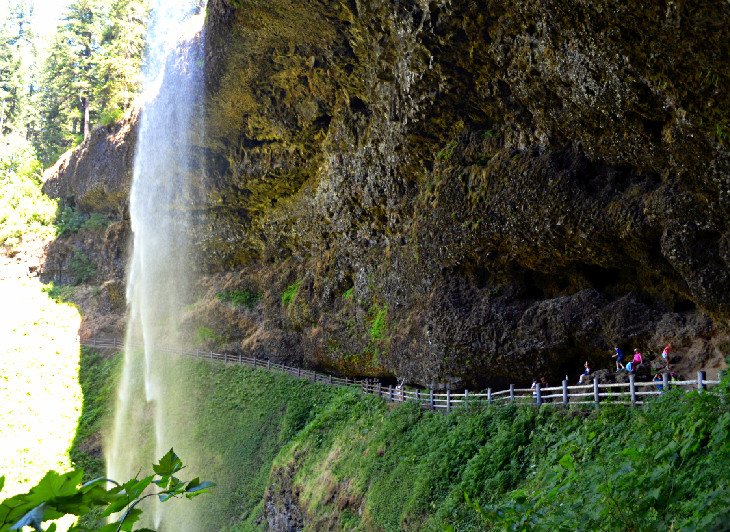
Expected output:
(629, 393)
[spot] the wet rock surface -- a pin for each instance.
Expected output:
(454, 192)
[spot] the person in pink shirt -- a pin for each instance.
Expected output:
(637, 358)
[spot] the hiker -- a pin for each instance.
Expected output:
(399, 391)
(619, 356)
(665, 355)
(659, 378)
(586, 373)
(638, 360)
(630, 366)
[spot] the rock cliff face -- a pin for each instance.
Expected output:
(458, 192)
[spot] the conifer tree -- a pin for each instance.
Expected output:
(15, 51)
(92, 73)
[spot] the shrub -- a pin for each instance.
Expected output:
(290, 293)
(240, 298)
(111, 115)
(24, 209)
(68, 220)
(206, 335)
(59, 292)
(96, 221)
(82, 267)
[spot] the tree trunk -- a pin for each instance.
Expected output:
(85, 120)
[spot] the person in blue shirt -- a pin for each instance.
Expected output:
(585, 375)
(619, 356)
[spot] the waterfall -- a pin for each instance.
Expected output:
(150, 416)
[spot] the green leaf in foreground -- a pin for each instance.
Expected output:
(59, 494)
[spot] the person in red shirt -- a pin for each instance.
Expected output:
(665, 354)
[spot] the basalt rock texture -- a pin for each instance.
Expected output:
(97, 175)
(94, 180)
(462, 193)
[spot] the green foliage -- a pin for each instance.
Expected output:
(722, 132)
(82, 267)
(59, 494)
(109, 116)
(515, 468)
(246, 416)
(349, 293)
(98, 375)
(16, 39)
(447, 152)
(290, 293)
(92, 72)
(240, 298)
(62, 293)
(379, 322)
(24, 210)
(207, 336)
(358, 464)
(96, 221)
(68, 220)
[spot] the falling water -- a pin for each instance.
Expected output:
(148, 419)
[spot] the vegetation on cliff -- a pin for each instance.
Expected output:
(322, 457)
(25, 212)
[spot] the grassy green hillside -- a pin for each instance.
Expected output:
(348, 461)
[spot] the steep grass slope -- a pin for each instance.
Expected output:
(288, 454)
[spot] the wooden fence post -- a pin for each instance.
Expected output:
(596, 395)
(700, 381)
(390, 392)
(418, 396)
(466, 397)
(225, 358)
(632, 388)
(330, 379)
(211, 355)
(448, 399)
(565, 391)
(538, 394)
(665, 382)
(511, 393)
(240, 358)
(489, 396)
(431, 404)
(380, 389)
(299, 370)
(268, 363)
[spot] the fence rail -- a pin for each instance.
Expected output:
(631, 393)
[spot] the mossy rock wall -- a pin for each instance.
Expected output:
(521, 185)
